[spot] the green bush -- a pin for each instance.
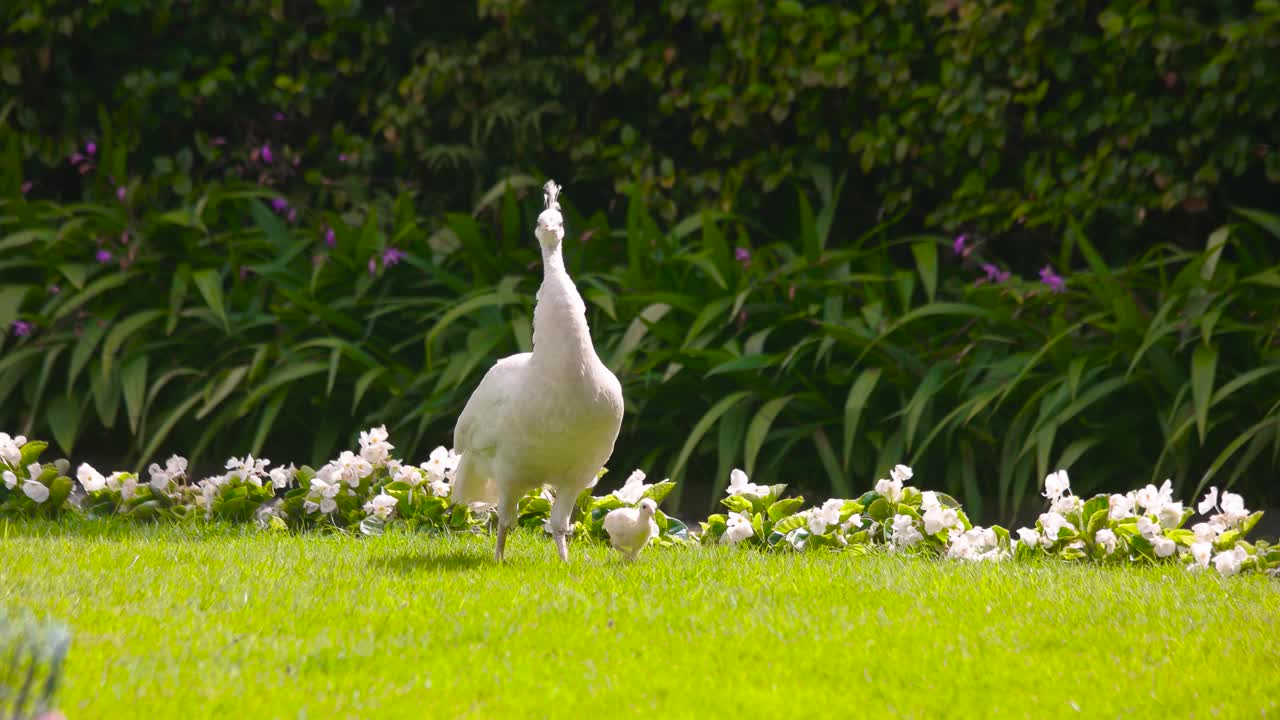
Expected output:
(1004, 118)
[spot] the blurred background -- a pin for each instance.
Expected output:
(988, 239)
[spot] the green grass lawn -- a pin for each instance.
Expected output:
(196, 622)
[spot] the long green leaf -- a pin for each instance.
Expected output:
(209, 283)
(133, 386)
(854, 405)
(1204, 364)
(121, 332)
(758, 430)
(701, 427)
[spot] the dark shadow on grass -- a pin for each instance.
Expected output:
(416, 562)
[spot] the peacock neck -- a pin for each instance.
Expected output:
(560, 334)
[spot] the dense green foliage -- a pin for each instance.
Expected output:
(235, 227)
(403, 626)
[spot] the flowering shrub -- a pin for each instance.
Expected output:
(366, 491)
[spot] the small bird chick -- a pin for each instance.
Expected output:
(630, 529)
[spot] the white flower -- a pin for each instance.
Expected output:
(282, 477)
(352, 468)
(35, 490)
(1164, 546)
(1205, 533)
(977, 544)
(1056, 485)
(10, 480)
(174, 468)
(929, 501)
(1052, 523)
(1066, 504)
(890, 489)
(1120, 506)
(854, 521)
(901, 474)
(1106, 539)
(1170, 514)
(1148, 528)
(821, 518)
(1209, 502)
(905, 533)
(939, 518)
(324, 488)
(11, 449)
(249, 470)
(440, 488)
(1151, 499)
(409, 475)
(124, 483)
(739, 485)
(1233, 510)
(441, 464)
(374, 447)
(1028, 536)
(35, 470)
(738, 528)
(633, 490)
(1228, 563)
(1201, 552)
(209, 488)
(381, 506)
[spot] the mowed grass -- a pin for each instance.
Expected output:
(215, 622)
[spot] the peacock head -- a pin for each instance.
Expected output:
(648, 507)
(550, 230)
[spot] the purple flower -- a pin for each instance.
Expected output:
(91, 149)
(293, 215)
(217, 141)
(994, 273)
(329, 238)
(244, 272)
(279, 117)
(26, 187)
(391, 256)
(54, 289)
(279, 204)
(103, 256)
(121, 193)
(266, 153)
(373, 264)
(957, 245)
(76, 158)
(1055, 281)
(22, 328)
(342, 157)
(742, 255)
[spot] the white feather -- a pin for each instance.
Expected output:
(631, 528)
(545, 418)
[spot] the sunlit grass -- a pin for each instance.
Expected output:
(197, 622)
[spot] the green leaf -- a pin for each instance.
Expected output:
(784, 508)
(758, 430)
(121, 332)
(789, 523)
(224, 388)
(282, 375)
(209, 283)
(95, 288)
(854, 404)
(701, 427)
(133, 386)
(926, 255)
(1204, 363)
(11, 297)
(63, 416)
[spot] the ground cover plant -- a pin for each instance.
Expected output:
(410, 625)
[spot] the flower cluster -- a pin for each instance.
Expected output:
(368, 489)
(1147, 526)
